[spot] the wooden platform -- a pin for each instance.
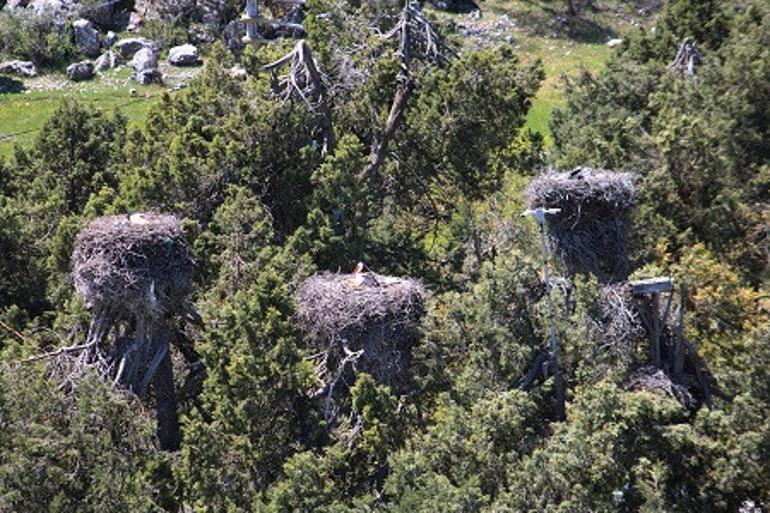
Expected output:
(652, 286)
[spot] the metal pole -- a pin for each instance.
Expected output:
(554, 362)
(539, 214)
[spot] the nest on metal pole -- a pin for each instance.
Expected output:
(590, 232)
(134, 274)
(359, 325)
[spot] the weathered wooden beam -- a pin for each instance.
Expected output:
(652, 286)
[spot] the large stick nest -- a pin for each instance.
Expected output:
(138, 264)
(651, 379)
(590, 233)
(371, 326)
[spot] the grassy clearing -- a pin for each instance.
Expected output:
(23, 114)
(565, 46)
(560, 59)
(537, 29)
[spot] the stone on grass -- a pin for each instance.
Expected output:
(107, 60)
(86, 37)
(126, 48)
(20, 68)
(80, 71)
(184, 55)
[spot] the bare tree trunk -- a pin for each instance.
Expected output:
(168, 420)
(404, 88)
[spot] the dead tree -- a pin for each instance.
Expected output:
(304, 81)
(416, 40)
(687, 58)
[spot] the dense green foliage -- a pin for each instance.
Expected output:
(41, 39)
(264, 207)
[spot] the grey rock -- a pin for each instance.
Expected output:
(21, 68)
(612, 43)
(149, 76)
(107, 60)
(86, 37)
(233, 35)
(79, 71)
(109, 14)
(145, 59)
(110, 39)
(126, 48)
(184, 55)
(60, 10)
(17, 4)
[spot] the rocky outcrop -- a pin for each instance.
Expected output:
(145, 64)
(80, 71)
(184, 55)
(86, 37)
(107, 60)
(126, 48)
(20, 68)
(150, 76)
(109, 14)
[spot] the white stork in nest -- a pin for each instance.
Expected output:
(361, 279)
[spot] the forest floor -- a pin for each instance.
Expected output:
(537, 29)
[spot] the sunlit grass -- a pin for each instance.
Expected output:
(23, 114)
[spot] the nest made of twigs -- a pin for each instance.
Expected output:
(620, 319)
(139, 263)
(650, 378)
(377, 321)
(590, 233)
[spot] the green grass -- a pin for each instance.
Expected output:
(23, 114)
(564, 50)
(560, 59)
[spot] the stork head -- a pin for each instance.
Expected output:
(359, 268)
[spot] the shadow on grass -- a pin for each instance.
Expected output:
(10, 85)
(587, 31)
(551, 20)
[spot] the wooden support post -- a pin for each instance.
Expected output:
(169, 435)
(656, 329)
(679, 344)
(654, 287)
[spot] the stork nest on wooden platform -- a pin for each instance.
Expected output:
(360, 327)
(139, 263)
(628, 324)
(590, 233)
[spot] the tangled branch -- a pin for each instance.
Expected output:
(687, 58)
(359, 328)
(590, 232)
(305, 81)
